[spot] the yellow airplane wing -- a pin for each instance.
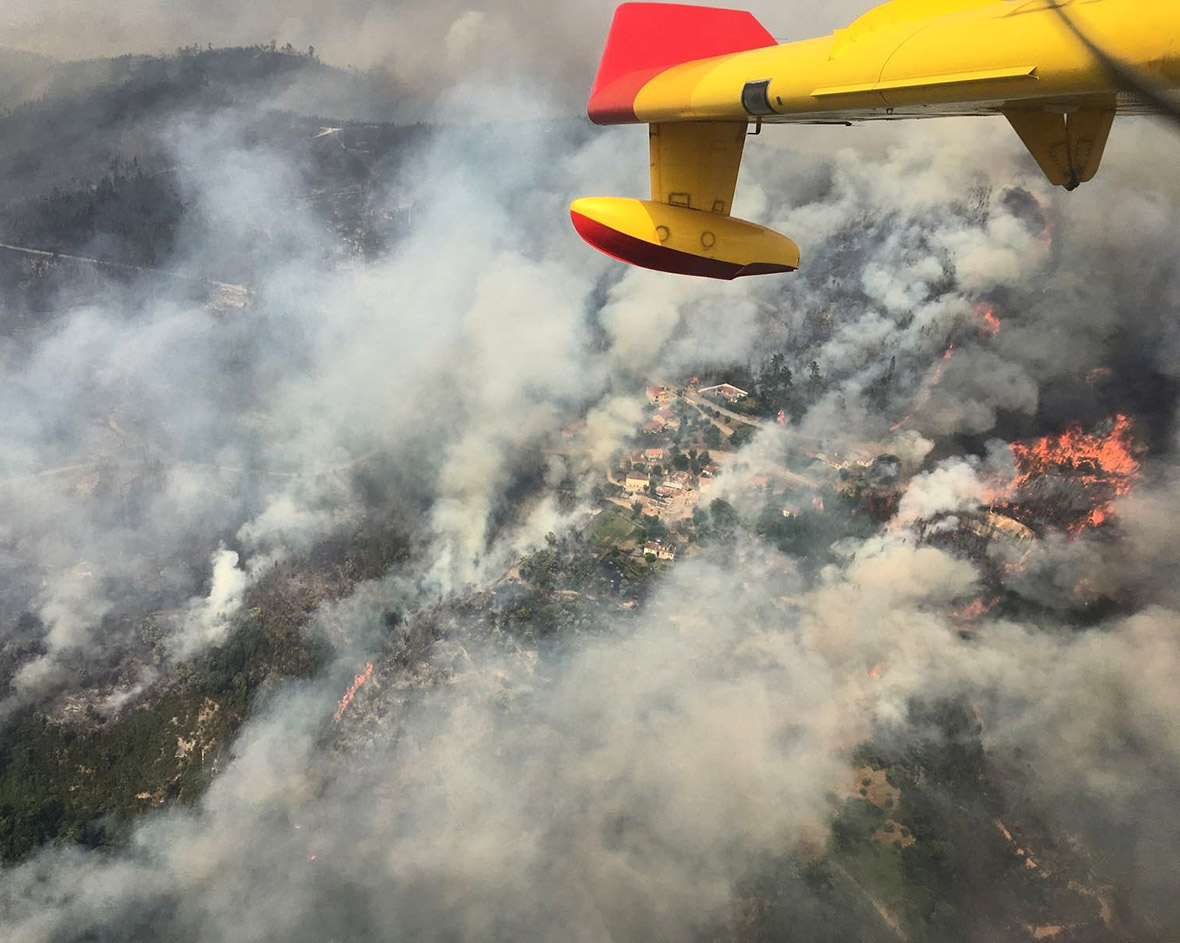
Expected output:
(699, 76)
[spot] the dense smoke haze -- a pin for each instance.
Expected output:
(163, 457)
(446, 56)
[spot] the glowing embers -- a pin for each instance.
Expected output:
(1073, 478)
(927, 387)
(352, 689)
(989, 324)
(972, 611)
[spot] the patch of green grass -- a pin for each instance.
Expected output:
(86, 782)
(613, 528)
(877, 867)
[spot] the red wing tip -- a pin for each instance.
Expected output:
(647, 38)
(601, 110)
(647, 255)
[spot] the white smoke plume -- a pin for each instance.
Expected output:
(209, 620)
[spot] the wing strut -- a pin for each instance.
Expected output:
(695, 163)
(686, 226)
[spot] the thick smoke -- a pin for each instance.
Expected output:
(476, 49)
(210, 619)
(158, 456)
(141, 426)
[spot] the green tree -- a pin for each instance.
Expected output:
(742, 435)
(774, 385)
(815, 382)
(723, 514)
(656, 529)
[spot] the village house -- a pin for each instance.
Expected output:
(727, 391)
(658, 550)
(667, 418)
(652, 507)
(635, 482)
(676, 483)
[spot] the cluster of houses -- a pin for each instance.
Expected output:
(665, 418)
(651, 477)
(638, 478)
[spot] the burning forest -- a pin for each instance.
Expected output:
(837, 606)
(1075, 477)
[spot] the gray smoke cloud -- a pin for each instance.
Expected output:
(173, 425)
(466, 51)
(619, 789)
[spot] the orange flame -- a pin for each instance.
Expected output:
(352, 689)
(941, 368)
(972, 611)
(1103, 462)
(875, 671)
(928, 387)
(989, 324)
(1091, 454)
(1018, 566)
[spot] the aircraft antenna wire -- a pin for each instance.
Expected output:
(1129, 77)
